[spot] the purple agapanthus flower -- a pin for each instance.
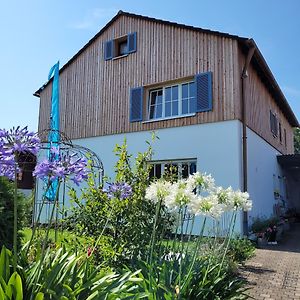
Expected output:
(19, 140)
(7, 167)
(14, 141)
(63, 167)
(119, 190)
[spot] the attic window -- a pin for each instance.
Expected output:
(120, 46)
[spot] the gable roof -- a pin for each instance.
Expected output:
(258, 60)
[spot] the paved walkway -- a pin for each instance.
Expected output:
(274, 273)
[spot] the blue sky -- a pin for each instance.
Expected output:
(36, 33)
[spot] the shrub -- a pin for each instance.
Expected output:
(7, 190)
(125, 224)
(210, 278)
(240, 249)
(62, 275)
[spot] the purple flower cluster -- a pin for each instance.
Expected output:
(119, 190)
(20, 140)
(14, 141)
(63, 166)
(7, 166)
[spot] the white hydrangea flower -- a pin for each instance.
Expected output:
(179, 196)
(241, 200)
(158, 190)
(207, 206)
(201, 181)
(225, 197)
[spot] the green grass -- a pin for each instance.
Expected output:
(64, 238)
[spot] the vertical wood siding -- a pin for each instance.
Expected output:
(94, 93)
(259, 102)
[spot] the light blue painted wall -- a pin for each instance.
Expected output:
(217, 147)
(263, 172)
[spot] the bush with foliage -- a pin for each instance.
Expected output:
(209, 278)
(240, 249)
(63, 275)
(123, 218)
(7, 190)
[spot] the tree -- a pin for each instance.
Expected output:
(297, 140)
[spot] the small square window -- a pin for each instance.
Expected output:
(121, 46)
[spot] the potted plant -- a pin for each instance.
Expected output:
(271, 234)
(261, 239)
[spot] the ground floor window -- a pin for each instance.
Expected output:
(176, 169)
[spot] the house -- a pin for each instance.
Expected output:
(209, 96)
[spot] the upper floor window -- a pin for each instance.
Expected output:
(120, 46)
(280, 133)
(273, 123)
(284, 136)
(172, 101)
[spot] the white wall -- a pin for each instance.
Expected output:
(262, 165)
(217, 147)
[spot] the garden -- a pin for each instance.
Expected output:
(130, 237)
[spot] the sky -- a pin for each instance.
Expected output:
(35, 34)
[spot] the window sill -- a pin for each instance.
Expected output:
(169, 118)
(121, 56)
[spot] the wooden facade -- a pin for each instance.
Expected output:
(259, 103)
(94, 93)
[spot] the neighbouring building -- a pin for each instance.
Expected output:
(209, 96)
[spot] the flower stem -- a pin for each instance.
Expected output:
(15, 234)
(46, 239)
(35, 226)
(229, 237)
(181, 253)
(195, 255)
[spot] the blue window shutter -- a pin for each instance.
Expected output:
(204, 91)
(136, 104)
(131, 42)
(109, 49)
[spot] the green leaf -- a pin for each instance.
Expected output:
(92, 296)
(2, 294)
(4, 263)
(3, 284)
(15, 283)
(39, 296)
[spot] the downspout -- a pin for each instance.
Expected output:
(244, 76)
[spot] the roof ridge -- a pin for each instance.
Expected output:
(134, 15)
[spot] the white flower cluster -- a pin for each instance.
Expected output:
(199, 194)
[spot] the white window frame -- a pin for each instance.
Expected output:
(163, 88)
(179, 162)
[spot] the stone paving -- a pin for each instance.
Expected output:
(274, 273)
